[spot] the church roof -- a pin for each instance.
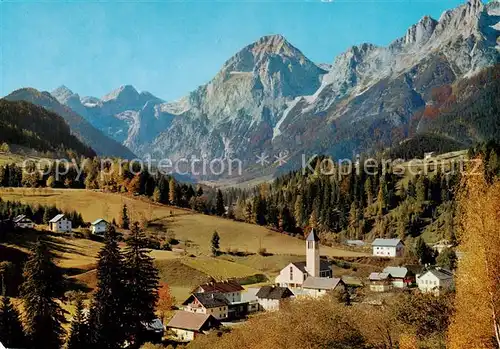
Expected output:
(323, 265)
(318, 283)
(312, 236)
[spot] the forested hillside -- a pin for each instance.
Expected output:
(357, 205)
(80, 127)
(26, 124)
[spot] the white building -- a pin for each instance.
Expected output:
(99, 227)
(317, 287)
(187, 326)
(60, 224)
(22, 221)
(435, 281)
(272, 297)
(294, 274)
(387, 248)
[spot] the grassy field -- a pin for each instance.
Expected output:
(194, 229)
(181, 270)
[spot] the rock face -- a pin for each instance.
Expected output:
(270, 97)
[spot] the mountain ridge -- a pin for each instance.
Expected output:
(270, 97)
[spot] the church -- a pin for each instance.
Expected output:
(294, 275)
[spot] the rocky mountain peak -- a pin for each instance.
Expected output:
(273, 44)
(62, 94)
(420, 32)
(123, 92)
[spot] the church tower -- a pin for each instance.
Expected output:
(312, 254)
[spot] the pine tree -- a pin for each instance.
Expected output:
(11, 329)
(124, 219)
(299, 210)
(156, 194)
(108, 311)
(381, 201)
(425, 254)
(369, 191)
(172, 193)
(199, 191)
(220, 210)
(141, 284)
(79, 329)
(43, 317)
(215, 243)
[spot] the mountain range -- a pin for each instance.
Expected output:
(270, 98)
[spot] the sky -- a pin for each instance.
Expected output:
(170, 48)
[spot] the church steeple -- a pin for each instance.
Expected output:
(312, 254)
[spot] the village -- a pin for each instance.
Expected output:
(227, 303)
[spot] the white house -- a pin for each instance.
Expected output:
(294, 274)
(99, 227)
(22, 221)
(387, 248)
(187, 326)
(60, 224)
(317, 287)
(214, 304)
(435, 281)
(272, 297)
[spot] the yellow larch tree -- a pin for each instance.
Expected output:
(476, 322)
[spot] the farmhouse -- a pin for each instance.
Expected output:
(230, 289)
(387, 247)
(22, 221)
(99, 227)
(380, 282)
(60, 224)
(401, 277)
(294, 274)
(317, 287)
(435, 281)
(187, 326)
(214, 304)
(272, 297)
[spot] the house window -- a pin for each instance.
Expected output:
(291, 273)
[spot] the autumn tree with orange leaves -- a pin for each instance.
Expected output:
(476, 322)
(165, 300)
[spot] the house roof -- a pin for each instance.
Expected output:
(208, 300)
(223, 286)
(274, 292)
(189, 321)
(355, 242)
(440, 273)
(397, 272)
(386, 242)
(155, 325)
(312, 236)
(379, 276)
(323, 265)
(20, 218)
(57, 218)
(97, 221)
(318, 283)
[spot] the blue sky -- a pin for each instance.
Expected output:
(170, 48)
